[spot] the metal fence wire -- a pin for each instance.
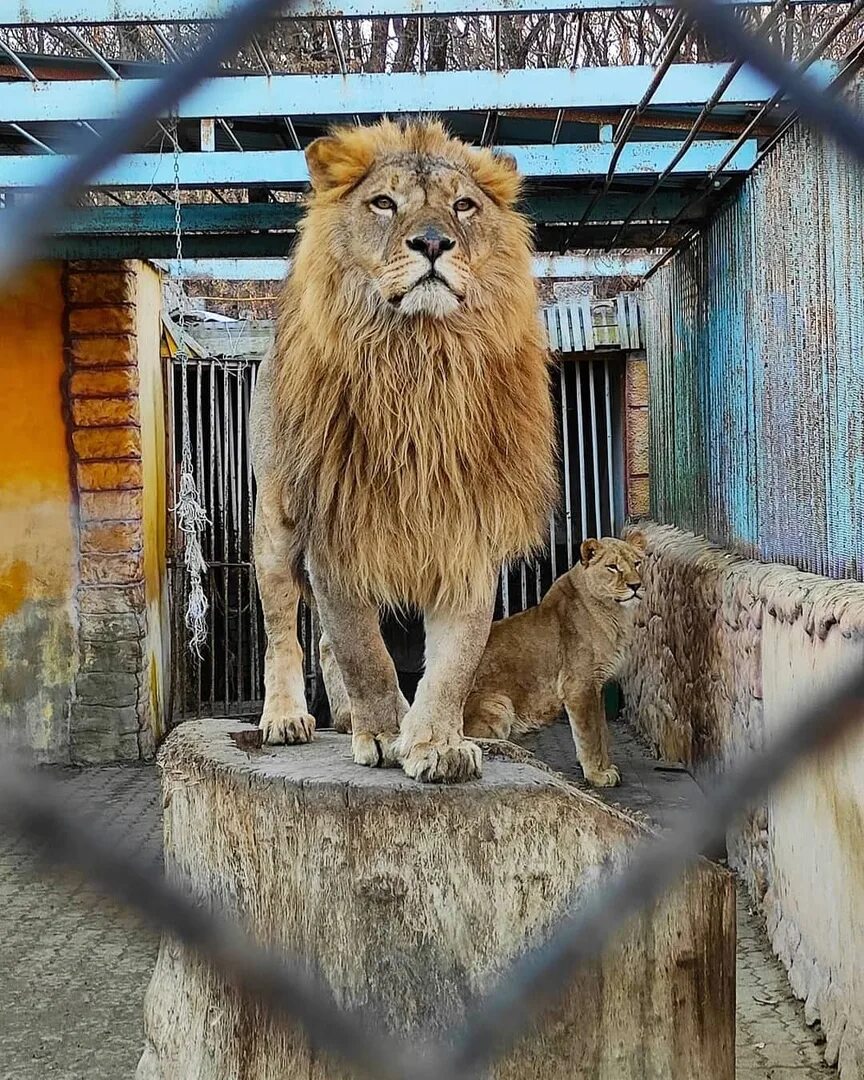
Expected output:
(284, 986)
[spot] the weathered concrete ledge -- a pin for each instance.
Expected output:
(725, 649)
(411, 900)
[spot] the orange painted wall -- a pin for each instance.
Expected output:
(151, 397)
(38, 533)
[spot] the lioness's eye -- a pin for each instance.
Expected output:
(464, 206)
(612, 567)
(638, 563)
(383, 203)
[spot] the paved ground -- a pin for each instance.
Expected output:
(73, 969)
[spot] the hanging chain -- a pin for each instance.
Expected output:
(188, 511)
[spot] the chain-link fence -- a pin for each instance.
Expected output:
(283, 985)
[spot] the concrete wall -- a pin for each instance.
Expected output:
(38, 536)
(724, 649)
(82, 513)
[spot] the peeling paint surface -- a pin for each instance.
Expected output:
(151, 396)
(756, 351)
(37, 524)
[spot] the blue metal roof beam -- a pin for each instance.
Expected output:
(33, 12)
(235, 96)
(591, 264)
(153, 220)
(287, 168)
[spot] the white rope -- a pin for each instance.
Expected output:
(188, 511)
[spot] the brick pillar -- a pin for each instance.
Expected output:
(110, 717)
(638, 490)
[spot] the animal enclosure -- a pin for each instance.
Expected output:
(588, 391)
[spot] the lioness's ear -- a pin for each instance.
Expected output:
(588, 550)
(638, 540)
(497, 175)
(339, 160)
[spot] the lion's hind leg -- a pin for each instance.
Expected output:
(365, 672)
(489, 716)
(334, 684)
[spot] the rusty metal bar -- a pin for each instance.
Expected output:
(690, 138)
(565, 454)
(830, 35)
(34, 219)
(670, 45)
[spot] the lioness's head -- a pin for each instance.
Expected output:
(611, 568)
(418, 222)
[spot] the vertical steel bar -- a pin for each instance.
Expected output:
(257, 693)
(211, 533)
(199, 483)
(553, 555)
(583, 494)
(505, 590)
(226, 437)
(178, 672)
(241, 516)
(523, 582)
(610, 448)
(250, 532)
(595, 456)
(565, 457)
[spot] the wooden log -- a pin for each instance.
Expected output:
(411, 900)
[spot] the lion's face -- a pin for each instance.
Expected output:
(612, 569)
(422, 223)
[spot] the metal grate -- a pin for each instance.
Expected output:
(229, 678)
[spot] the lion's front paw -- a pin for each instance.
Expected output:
(610, 777)
(375, 750)
(286, 726)
(443, 763)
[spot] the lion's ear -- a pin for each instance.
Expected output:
(339, 160)
(588, 550)
(638, 540)
(497, 175)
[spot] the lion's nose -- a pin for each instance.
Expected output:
(430, 243)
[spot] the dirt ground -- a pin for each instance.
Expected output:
(73, 968)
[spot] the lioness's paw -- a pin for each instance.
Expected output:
(443, 763)
(376, 751)
(281, 727)
(610, 777)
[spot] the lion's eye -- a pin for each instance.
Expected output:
(638, 563)
(464, 206)
(611, 566)
(383, 204)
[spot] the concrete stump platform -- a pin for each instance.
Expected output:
(411, 901)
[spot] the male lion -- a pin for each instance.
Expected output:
(401, 432)
(562, 652)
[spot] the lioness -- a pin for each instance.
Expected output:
(402, 433)
(562, 652)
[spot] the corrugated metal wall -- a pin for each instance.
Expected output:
(755, 340)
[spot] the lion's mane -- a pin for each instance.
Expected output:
(416, 453)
